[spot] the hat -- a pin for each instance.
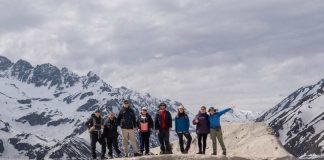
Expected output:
(98, 110)
(181, 106)
(144, 108)
(162, 104)
(211, 108)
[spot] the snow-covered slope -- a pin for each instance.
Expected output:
(238, 115)
(298, 121)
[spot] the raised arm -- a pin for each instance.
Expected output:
(224, 111)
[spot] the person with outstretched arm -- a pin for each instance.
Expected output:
(215, 128)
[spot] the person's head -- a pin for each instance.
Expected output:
(144, 110)
(202, 109)
(126, 103)
(212, 110)
(162, 106)
(181, 109)
(111, 115)
(97, 113)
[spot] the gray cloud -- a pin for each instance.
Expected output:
(252, 53)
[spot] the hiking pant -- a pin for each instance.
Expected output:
(164, 135)
(129, 134)
(203, 138)
(95, 137)
(145, 142)
(188, 137)
(217, 133)
(112, 142)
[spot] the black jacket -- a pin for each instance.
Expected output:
(127, 119)
(110, 127)
(94, 121)
(148, 119)
(158, 120)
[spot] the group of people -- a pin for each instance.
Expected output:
(105, 130)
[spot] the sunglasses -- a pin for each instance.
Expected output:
(144, 110)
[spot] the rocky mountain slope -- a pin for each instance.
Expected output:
(298, 121)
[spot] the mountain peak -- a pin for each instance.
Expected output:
(21, 69)
(69, 77)
(45, 73)
(93, 77)
(5, 63)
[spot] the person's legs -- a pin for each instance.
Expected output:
(180, 135)
(147, 142)
(161, 140)
(102, 141)
(204, 142)
(142, 140)
(132, 138)
(189, 139)
(199, 136)
(125, 140)
(214, 141)
(167, 141)
(115, 144)
(93, 139)
(109, 146)
(219, 136)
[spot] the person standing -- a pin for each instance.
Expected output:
(111, 135)
(145, 125)
(202, 122)
(163, 125)
(182, 124)
(215, 128)
(127, 121)
(94, 125)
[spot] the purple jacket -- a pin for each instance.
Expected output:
(203, 124)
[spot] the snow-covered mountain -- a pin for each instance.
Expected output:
(238, 115)
(298, 121)
(43, 110)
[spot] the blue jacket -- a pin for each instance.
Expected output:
(182, 123)
(214, 120)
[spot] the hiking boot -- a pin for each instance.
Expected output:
(213, 154)
(200, 152)
(224, 153)
(137, 154)
(162, 152)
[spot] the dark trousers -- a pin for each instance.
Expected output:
(95, 137)
(112, 141)
(188, 137)
(145, 142)
(164, 136)
(203, 138)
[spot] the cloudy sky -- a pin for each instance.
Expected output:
(252, 53)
